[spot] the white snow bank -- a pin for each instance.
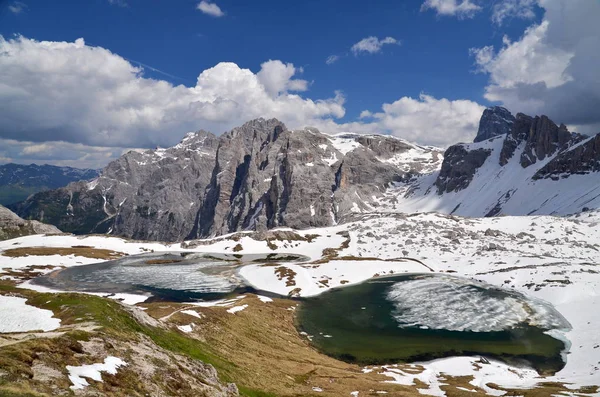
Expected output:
(17, 316)
(186, 328)
(236, 309)
(434, 371)
(92, 371)
(315, 279)
(264, 299)
(192, 313)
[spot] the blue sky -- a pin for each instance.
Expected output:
(173, 36)
(457, 53)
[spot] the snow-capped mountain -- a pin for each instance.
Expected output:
(531, 167)
(262, 175)
(17, 181)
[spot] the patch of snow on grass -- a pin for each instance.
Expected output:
(192, 313)
(93, 371)
(236, 309)
(186, 328)
(17, 316)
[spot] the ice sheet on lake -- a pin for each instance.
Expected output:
(179, 276)
(458, 304)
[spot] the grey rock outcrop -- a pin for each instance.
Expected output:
(459, 167)
(545, 138)
(494, 121)
(541, 136)
(12, 226)
(580, 159)
(256, 177)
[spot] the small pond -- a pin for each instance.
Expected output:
(172, 276)
(413, 317)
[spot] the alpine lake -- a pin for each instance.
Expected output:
(396, 319)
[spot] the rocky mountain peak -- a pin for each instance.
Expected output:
(195, 140)
(494, 121)
(540, 135)
(260, 129)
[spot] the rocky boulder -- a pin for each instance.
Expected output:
(12, 226)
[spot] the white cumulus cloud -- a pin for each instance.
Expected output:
(426, 120)
(211, 9)
(73, 92)
(553, 68)
(69, 103)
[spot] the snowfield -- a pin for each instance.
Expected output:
(549, 258)
(17, 316)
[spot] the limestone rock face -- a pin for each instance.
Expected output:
(255, 177)
(12, 226)
(544, 139)
(541, 138)
(494, 121)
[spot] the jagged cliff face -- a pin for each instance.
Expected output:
(527, 165)
(257, 176)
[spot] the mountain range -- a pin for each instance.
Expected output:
(18, 181)
(261, 175)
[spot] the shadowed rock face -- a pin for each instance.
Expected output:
(257, 176)
(541, 137)
(494, 121)
(459, 167)
(581, 159)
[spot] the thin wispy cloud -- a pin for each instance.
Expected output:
(372, 45)
(120, 3)
(509, 9)
(457, 8)
(331, 59)
(17, 7)
(211, 9)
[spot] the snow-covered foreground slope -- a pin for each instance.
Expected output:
(18, 316)
(550, 258)
(498, 189)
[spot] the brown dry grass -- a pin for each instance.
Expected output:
(162, 261)
(287, 273)
(78, 250)
(269, 354)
